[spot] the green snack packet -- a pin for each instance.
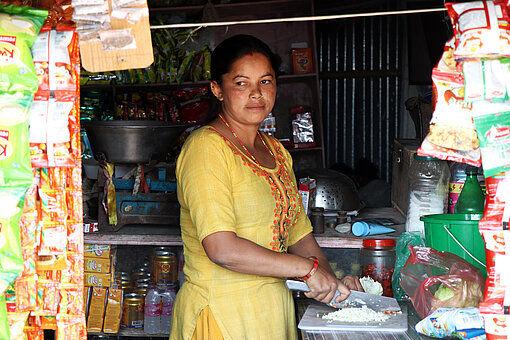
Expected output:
(19, 26)
(15, 165)
(11, 260)
(4, 323)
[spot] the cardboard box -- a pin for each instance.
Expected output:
(97, 265)
(302, 60)
(403, 156)
(307, 190)
(98, 279)
(98, 250)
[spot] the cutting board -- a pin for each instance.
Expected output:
(312, 321)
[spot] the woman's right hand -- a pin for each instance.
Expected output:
(323, 287)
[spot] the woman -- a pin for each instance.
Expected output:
(242, 221)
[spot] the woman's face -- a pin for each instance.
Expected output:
(248, 91)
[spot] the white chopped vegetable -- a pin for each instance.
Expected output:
(363, 314)
(370, 286)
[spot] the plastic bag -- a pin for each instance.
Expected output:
(19, 26)
(402, 254)
(464, 323)
(434, 279)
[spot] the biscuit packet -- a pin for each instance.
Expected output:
(452, 135)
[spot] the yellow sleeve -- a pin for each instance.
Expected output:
(204, 183)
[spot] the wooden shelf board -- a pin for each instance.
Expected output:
(133, 333)
(145, 86)
(297, 77)
(317, 148)
(149, 235)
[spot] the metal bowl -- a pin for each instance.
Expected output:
(133, 142)
(335, 191)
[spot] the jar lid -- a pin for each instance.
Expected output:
(385, 242)
(425, 158)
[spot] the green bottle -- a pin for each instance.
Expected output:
(471, 199)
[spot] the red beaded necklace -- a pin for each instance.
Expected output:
(244, 147)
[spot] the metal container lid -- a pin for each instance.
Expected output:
(133, 296)
(164, 254)
(161, 249)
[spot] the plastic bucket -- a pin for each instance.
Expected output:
(457, 234)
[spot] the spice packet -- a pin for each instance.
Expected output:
(122, 39)
(130, 14)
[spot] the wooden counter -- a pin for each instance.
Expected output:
(171, 235)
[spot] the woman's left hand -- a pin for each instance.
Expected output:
(352, 282)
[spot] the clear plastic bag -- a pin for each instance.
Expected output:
(402, 254)
(434, 279)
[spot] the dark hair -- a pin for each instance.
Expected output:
(234, 48)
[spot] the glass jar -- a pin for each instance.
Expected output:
(377, 260)
(428, 190)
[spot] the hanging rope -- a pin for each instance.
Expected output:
(298, 19)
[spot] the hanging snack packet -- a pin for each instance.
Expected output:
(53, 121)
(497, 289)
(496, 215)
(71, 327)
(480, 28)
(15, 168)
(492, 122)
(55, 53)
(17, 322)
(452, 135)
(11, 261)
(19, 26)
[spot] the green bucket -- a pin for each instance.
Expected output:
(457, 234)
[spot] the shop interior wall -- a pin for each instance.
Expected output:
(368, 68)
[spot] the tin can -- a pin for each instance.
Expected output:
(142, 289)
(132, 311)
(155, 251)
(165, 268)
(141, 273)
(127, 286)
(142, 281)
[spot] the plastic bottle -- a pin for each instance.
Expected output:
(472, 198)
(428, 190)
(167, 303)
(457, 179)
(152, 311)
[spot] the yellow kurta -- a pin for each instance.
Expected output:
(220, 189)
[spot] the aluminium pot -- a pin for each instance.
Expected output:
(132, 142)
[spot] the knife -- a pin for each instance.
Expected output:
(355, 299)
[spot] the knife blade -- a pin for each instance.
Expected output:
(355, 299)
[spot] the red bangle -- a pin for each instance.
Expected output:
(313, 270)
